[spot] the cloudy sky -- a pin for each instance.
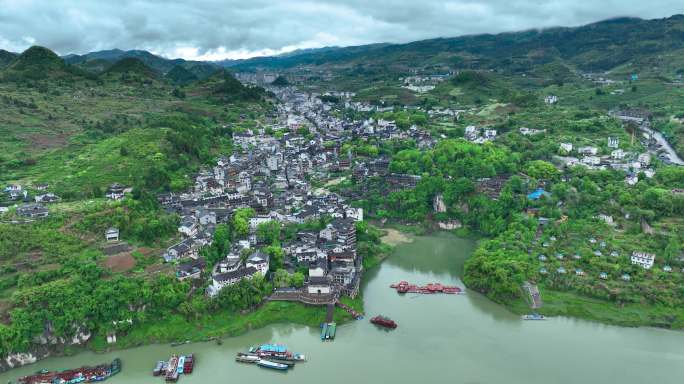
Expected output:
(212, 29)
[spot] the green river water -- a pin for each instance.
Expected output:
(440, 339)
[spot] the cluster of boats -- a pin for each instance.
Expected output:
(272, 356)
(432, 288)
(71, 376)
(174, 367)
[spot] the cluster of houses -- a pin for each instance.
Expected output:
(551, 99)
(479, 135)
(270, 176)
(423, 83)
(30, 207)
(653, 140)
(34, 203)
(591, 157)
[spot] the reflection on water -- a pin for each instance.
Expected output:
(440, 338)
(441, 254)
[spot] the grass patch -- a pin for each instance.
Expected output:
(220, 324)
(558, 303)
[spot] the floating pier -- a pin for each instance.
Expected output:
(432, 288)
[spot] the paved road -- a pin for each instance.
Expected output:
(663, 144)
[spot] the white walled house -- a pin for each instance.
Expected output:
(354, 213)
(206, 217)
(618, 154)
(258, 260)
(567, 147)
(221, 280)
(318, 285)
(643, 259)
(112, 234)
(188, 226)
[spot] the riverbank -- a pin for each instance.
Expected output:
(567, 304)
(570, 304)
(488, 335)
(223, 324)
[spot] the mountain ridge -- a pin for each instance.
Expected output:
(598, 46)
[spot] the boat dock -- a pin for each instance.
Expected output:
(432, 288)
(331, 312)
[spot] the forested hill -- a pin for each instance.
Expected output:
(6, 57)
(99, 61)
(599, 46)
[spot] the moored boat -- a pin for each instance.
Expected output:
(272, 365)
(289, 363)
(172, 370)
(181, 364)
(244, 358)
(158, 368)
(79, 375)
(324, 331)
(383, 321)
(189, 364)
(270, 350)
(332, 328)
(296, 357)
(299, 357)
(534, 316)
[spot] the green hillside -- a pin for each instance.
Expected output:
(85, 132)
(6, 57)
(97, 62)
(601, 46)
(180, 75)
(131, 66)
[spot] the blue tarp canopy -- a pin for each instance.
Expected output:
(273, 348)
(539, 192)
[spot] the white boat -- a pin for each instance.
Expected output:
(299, 357)
(272, 365)
(534, 316)
(243, 358)
(181, 364)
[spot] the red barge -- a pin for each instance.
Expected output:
(383, 321)
(406, 287)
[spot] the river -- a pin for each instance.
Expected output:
(440, 339)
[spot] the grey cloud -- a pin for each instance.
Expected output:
(222, 28)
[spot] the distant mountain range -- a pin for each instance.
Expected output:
(39, 63)
(101, 60)
(600, 46)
